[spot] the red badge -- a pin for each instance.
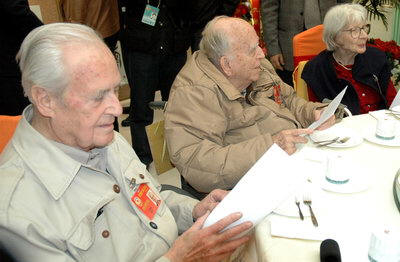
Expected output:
(277, 94)
(146, 201)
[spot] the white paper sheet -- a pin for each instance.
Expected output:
(266, 185)
(396, 101)
(329, 110)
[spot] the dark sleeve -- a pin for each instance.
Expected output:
(227, 7)
(269, 18)
(20, 16)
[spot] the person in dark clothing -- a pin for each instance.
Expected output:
(348, 61)
(16, 21)
(155, 38)
(204, 11)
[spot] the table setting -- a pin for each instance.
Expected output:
(349, 178)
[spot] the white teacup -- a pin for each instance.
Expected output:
(337, 170)
(385, 129)
(384, 246)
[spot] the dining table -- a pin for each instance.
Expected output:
(350, 218)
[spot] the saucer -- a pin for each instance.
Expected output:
(337, 131)
(356, 183)
(384, 142)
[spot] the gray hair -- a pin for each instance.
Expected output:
(41, 58)
(339, 17)
(215, 42)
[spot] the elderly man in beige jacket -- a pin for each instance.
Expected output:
(71, 188)
(228, 106)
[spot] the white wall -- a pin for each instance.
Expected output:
(378, 29)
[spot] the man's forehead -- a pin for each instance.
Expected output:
(88, 63)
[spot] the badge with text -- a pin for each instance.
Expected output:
(146, 200)
(150, 15)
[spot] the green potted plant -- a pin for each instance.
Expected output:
(376, 9)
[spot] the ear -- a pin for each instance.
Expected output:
(43, 101)
(226, 66)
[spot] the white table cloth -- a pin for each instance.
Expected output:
(352, 216)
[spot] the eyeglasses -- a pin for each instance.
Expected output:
(355, 32)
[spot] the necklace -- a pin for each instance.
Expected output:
(340, 63)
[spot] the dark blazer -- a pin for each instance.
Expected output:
(369, 68)
(16, 21)
(170, 34)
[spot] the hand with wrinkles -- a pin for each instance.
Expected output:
(328, 123)
(209, 202)
(287, 139)
(209, 243)
(277, 61)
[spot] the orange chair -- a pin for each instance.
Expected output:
(308, 44)
(7, 128)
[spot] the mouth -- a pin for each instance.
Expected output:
(107, 126)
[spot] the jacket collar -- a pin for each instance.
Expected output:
(50, 164)
(215, 74)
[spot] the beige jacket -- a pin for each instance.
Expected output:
(54, 208)
(213, 134)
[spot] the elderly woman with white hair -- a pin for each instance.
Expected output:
(348, 61)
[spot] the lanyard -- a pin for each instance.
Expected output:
(159, 2)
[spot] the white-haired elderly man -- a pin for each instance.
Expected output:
(72, 189)
(228, 106)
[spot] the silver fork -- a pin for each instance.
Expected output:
(339, 141)
(297, 201)
(307, 201)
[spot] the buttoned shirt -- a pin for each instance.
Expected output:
(59, 203)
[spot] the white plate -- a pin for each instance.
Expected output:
(393, 142)
(337, 131)
(396, 108)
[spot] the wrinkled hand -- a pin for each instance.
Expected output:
(277, 61)
(287, 139)
(208, 244)
(209, 202)
(328, 123)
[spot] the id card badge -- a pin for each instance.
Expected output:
(150, 15)
(146, 201)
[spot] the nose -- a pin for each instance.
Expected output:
(114, 106)
(363, 34)
(260, 53)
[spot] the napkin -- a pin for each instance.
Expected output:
(296, 228)
(353, 239)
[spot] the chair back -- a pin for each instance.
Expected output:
(158, 147)
(308, 44)
(7, 128)
(300, 86)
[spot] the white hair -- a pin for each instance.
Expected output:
(41, 55)
(339, 17)
(215, 42)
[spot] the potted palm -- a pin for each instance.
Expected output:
(376, 8)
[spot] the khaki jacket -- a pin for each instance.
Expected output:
(54, 208)
(214, 134)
